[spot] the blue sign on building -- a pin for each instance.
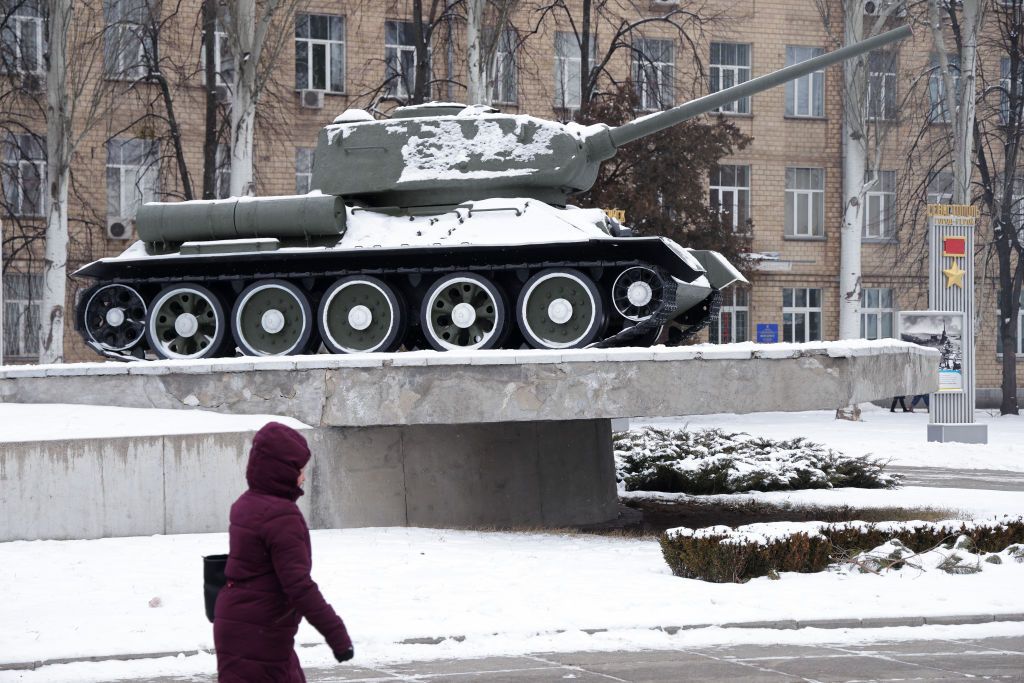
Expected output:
(767, 333)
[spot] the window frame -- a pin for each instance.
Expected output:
(148, 168)
(740, 205)
(739, 74)
(735, 309)
(328, 45)
(814, 82)
(815, 209)
(25, 322)
(18, 157)
(937, 89)
(882, 194)
(888, 85)
(807, 310)
(25, 14)
(301, 152)
(397, 85)
(504, 86)
(124, 30)
(933, 196)
(879, 311)
(567, 65)
(663, 72)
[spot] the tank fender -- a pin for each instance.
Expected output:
(720, 272)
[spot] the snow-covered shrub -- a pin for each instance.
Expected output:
(708, 461)
(722, 554)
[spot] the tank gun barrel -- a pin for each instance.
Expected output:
(647, 125)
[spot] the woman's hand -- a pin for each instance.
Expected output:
(344, 655)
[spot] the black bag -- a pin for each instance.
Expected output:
(213, 580)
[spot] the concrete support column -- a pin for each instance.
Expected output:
(490, 474)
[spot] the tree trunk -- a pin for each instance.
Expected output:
(58, 169)
(477, 81)
(1009, 308)
(855, 154)
(243, 104)
(210, 74)
(585, 59)
(421, 37)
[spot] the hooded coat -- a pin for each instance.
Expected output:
(269, 589)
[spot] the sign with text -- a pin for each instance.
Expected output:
(767, 333)
(941, 330)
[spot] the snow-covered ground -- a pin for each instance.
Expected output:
(898, 437)
(504, 592)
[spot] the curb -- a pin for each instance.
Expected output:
(788, 624)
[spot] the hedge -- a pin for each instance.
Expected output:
(722, 554)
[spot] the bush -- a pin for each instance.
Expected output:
(709, 461)
(722, 554)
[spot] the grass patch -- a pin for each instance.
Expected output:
(712, 461)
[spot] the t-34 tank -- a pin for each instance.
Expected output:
(445, 226)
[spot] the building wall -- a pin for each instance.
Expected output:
(779, 142)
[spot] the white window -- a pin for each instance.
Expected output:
(567, 70)
(21, 315)
(222, 172)
(504, 72)
(940, 188)
(806, 95)
(132, 173)
(400, 58)
(124, 39)
(801, 314)
(732, 324)
(805, 202)
(320, 52)
(23, 37)
(223, 61)
(937, 88)
(1006, 86)
(303, 169)
(876, 313)
(654, 72)
(730, 194)
(24, 175)
(730, 65)
(1020, 328)
(880, 206)
(882, 85)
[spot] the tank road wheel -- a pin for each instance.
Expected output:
(463, 311)
(115, 317)
(360, 313)
(637, 292)
(185, 321)
(560, 308)
(272, 318)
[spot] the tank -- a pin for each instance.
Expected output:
(446, 227)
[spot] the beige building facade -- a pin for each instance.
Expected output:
(331, 56)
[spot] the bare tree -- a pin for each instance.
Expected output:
(491, 46)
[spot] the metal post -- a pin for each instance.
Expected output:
(951, 288)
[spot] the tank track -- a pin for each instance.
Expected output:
(703, 314)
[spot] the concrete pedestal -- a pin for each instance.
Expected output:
(961, 433)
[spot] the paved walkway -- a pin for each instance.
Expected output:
(992, 659)
(939, 477)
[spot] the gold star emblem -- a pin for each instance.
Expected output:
(954, 275)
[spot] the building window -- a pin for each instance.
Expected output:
(876, 313)
(223, 61)
(303, 170)
(880, 206)
(806, 95)
(882, 85)
(504, 72)
(805, 202)
(124, 39)
(21, 314)
(730, 65)
(1006, 85)
(940, 187)
(400, 57)
(654, 72)
(23, 37)
(320, 52)
(222, 172)
(24, 175)
(567, 70)
(732, 324)
(1020, 328)
(132, 173)
(730, 194)
(801, 314)
(938, 111)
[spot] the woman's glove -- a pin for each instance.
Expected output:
(344, 655)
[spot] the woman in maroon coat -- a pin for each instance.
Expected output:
(269, 589)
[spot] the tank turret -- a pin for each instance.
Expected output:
(445, 227)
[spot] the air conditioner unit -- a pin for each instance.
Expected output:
(120, 228)
(222, 93)
(875, 8)
(31, 82)
(311, 99)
